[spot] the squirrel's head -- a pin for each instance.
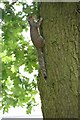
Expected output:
(31, 19)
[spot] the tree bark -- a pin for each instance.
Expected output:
(60, 92)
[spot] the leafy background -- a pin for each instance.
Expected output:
(19, 58)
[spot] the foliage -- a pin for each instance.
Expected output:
(18, 89)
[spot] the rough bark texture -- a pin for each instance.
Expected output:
(60, 92)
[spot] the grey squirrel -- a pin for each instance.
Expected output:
(38, 42)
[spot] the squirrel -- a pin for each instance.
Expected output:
(38, 42)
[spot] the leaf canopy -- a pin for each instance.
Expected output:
(19, 58)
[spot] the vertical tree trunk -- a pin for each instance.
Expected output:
(59, 93)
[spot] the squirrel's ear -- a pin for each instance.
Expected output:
(31, 17)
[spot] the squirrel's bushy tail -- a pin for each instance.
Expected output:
(42, 63)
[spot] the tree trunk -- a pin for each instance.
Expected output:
(60, 92)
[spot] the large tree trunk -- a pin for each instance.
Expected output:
(59, 93)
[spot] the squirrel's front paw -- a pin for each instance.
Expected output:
(41, 19)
